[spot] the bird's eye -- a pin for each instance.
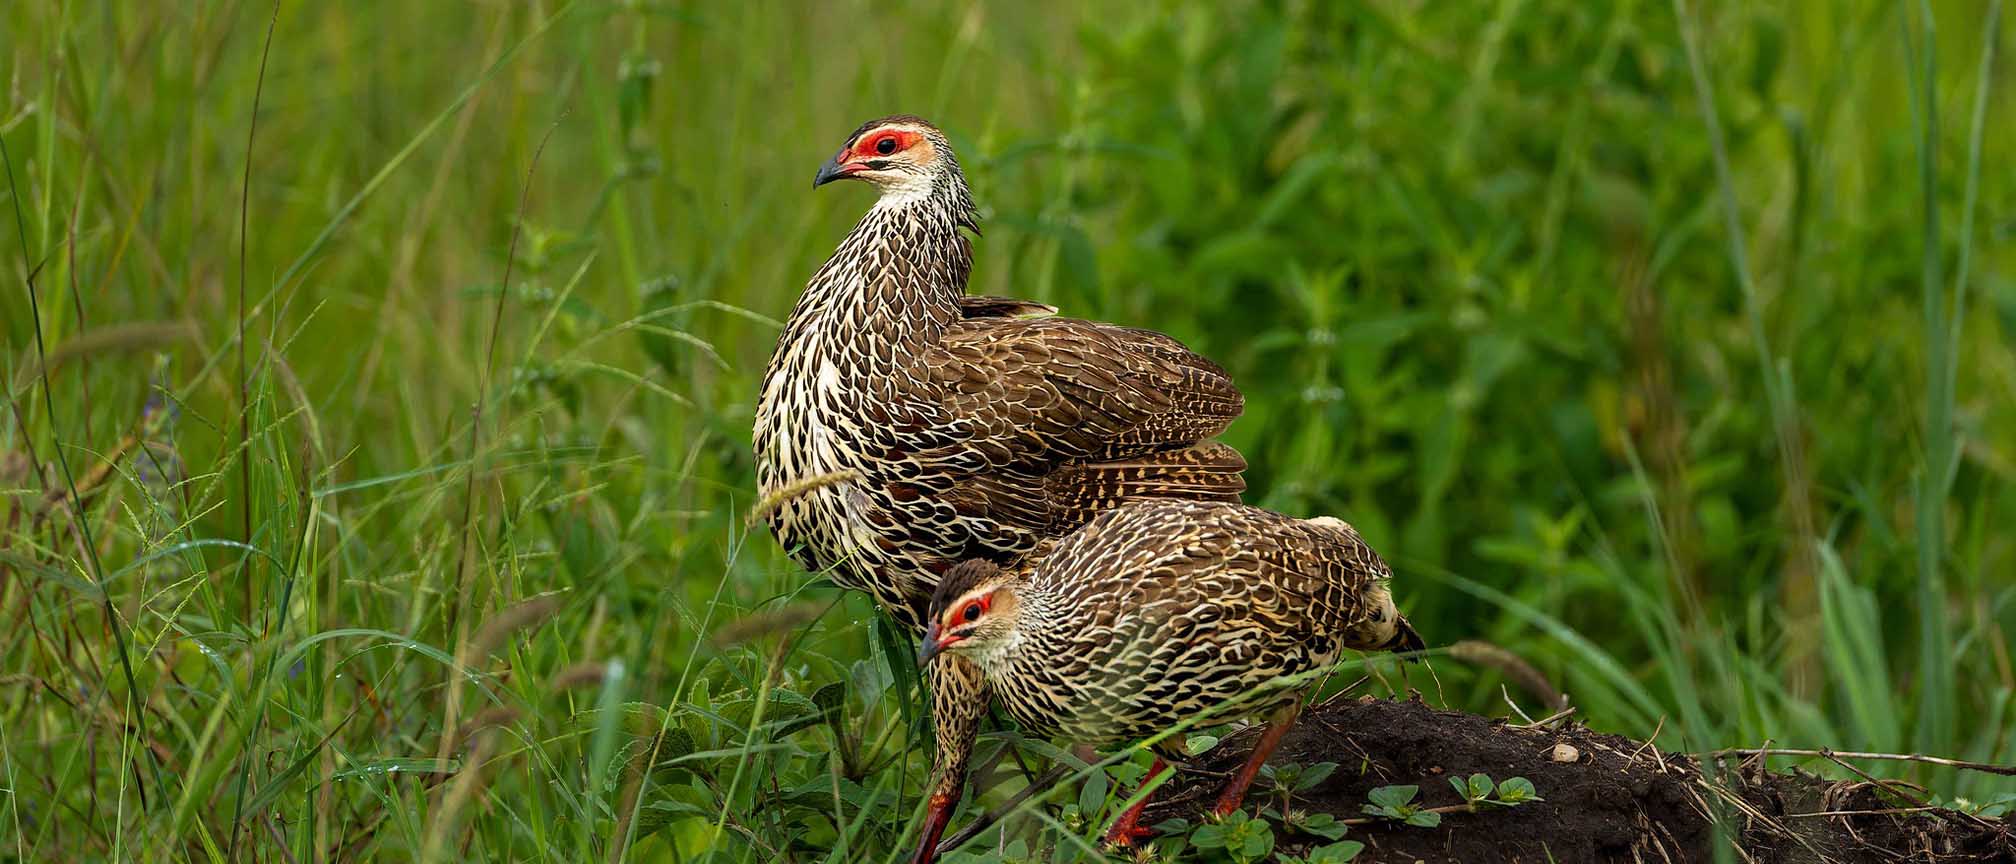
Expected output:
(886, 146)
(972, 612)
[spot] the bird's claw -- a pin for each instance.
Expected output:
(1126, 834)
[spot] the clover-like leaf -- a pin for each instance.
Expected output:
(1393, 797)
(1424, 818)
(1321, 825)
(1517, 790)
(1256, 840)
(1335, 853)
(1208, 836)
(1474, 788)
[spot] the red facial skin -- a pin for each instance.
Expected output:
(934, 642)
(865, 146)
(856, 158)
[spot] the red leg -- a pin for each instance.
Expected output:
(1235, 791)
(1128, 828)
(937, 817)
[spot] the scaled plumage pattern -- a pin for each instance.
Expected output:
(969, 427)
(976, 431)
(1157, 612)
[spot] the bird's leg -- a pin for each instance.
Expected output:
(1128, 829)
(939, 815)
(959, 698)
(1277, 726)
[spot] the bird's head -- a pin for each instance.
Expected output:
(906, 158)
(973, 612)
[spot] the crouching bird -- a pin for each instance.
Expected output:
(1160, 612)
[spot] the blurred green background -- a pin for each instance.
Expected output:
(456, 586)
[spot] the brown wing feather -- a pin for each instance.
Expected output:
(1072, 417)
(1085, 390)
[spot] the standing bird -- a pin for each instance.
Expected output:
(1158, 612)
(904, 426)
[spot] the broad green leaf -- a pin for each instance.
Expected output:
(1393, 796)
(1257, 840)
(1321, 825)
(1517, 789)
(1210, 836)
(1314, 775)
(1336, 853)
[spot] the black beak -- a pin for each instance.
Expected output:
(930, 648)
(828, 173)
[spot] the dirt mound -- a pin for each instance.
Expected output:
(1607, 798)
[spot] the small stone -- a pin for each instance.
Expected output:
(1566, 753)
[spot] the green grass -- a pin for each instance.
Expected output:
(1685, 370)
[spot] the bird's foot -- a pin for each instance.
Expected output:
(1127, 832)
(1228, 803)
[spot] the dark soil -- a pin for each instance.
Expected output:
(1607, 798)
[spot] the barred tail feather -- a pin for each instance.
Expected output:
(1209, 471)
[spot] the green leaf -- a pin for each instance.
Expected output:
(832, 703)
(1424, 818)
(1321, 825)
(1393, 796)
(1336, 853)
(673, 743)
(789, 712)
(699, 699)
(899, 653)
(1210, 836)
(1273, 773)
(1093, 793)
(1473, 789)
(1314, 774)
(1383, 812)
(1256, 840)
(831, 697)
(657, 815)
(1517, 790)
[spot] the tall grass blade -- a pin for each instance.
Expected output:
(1936, 699)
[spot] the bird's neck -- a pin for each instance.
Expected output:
(897, 277)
